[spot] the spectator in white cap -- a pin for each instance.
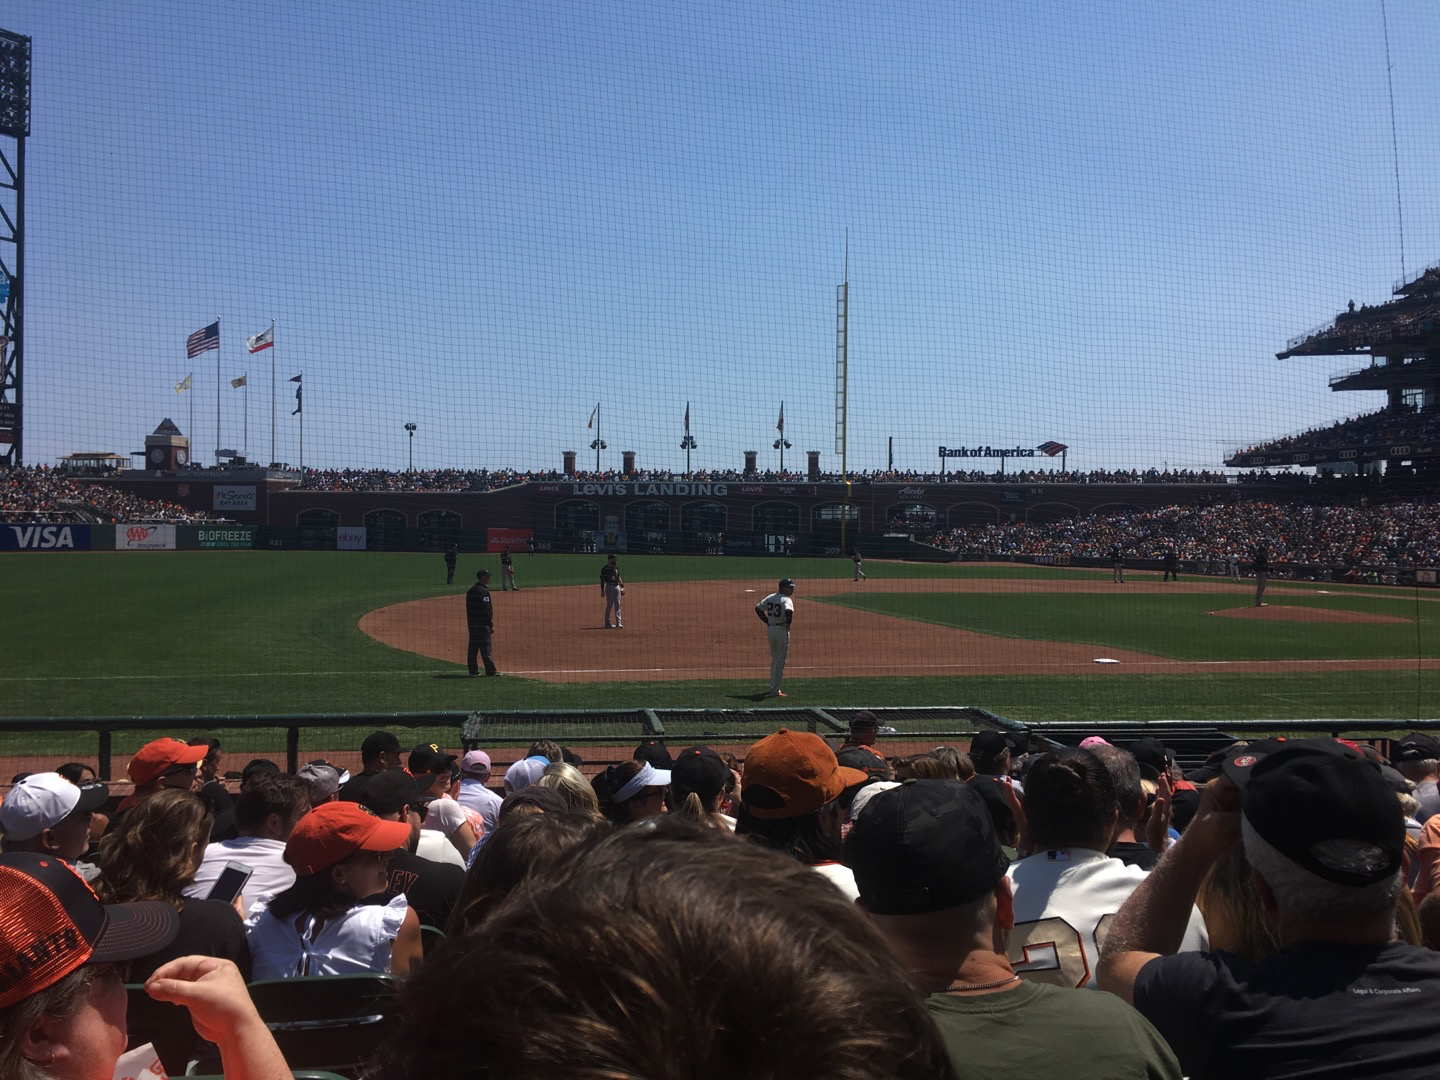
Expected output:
(474, 776)
(524, 773)
(48, 815)
(631, 791)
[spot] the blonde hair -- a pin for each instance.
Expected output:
(572, 786)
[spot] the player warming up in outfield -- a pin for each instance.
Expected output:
(1262, 575)
(855, 558)
(451, 557)
(777, 612)
(480, 620)
(507, 572)
(612, 588)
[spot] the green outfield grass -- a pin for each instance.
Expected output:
(1180, 626)
(225, 633)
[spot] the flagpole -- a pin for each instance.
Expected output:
(273, 458)
(192, 420)
(245, 444)
(301, 403)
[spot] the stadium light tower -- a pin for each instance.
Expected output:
(14, 129)
(411, 429)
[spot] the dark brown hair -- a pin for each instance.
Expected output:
(521, 845)
(668, 953)
(1069, 801)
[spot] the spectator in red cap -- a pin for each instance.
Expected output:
(164, 763)
(322, 925)
(1342, 997)
(63, 956)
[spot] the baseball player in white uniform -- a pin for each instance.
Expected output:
(777, 612)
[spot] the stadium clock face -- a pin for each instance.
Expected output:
(157, 455)
(181, 457)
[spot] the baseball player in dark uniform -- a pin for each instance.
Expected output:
(1171, 559)
(507, 572)
(612, 588)
(480, 620)
(1262, 574)
(1117, 564)
(451, 557)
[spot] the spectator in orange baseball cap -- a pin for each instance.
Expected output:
(323, 925)
(163, 763)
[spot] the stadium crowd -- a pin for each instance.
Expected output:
(1387, 426)
(489, 480)
(40, 493)
(1403, 534)
(802, 911)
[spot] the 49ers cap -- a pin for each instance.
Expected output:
(51, 923)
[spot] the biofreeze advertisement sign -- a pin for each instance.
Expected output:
(225, 536)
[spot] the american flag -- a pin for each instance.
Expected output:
(1052, 448)
(203, 340)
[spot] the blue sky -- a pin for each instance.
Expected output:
(1095, 223)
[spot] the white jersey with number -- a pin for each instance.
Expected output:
(776, 607)
(1065, 901)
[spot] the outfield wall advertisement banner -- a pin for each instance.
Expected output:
(234, 497)
(45, 538)
(514, 539)
(350, 538)
(217, 536)
(145, 538)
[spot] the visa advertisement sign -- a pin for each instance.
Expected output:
(45, 538)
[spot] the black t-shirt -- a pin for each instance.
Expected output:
(478, 612)
(430, 887)
(207, 928)
(1318, 1009)
(1132, 854)
(609, 574)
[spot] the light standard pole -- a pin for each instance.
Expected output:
(782, 445)
(411, 429)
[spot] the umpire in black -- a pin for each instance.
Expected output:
(480, 619)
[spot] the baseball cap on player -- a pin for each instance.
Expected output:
(54, 923)
(43, 800)
(152, 759)
(786, 583)
(924, 846)
(338, 830)
(791, 774)
(1323, 806)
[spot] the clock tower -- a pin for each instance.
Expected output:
(167, 449)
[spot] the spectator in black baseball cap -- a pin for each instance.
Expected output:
(1325, 837)
(1417, 756)
(699, 779)
(990, 752)
(931, 875)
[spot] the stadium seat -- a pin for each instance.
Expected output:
(327, 1022)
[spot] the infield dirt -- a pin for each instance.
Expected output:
(708, 630)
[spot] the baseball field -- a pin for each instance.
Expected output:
(228, 633)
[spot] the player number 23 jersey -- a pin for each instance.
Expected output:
(778, 609)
